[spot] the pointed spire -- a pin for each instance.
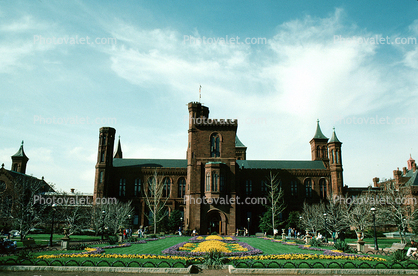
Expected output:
(334, 138)
(118, 153)
(318, 132)
(20, 152)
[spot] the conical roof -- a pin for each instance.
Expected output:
(318, 132)
(238, 143)
(334, 138)
(20, 152)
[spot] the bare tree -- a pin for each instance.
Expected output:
(336, 219)
(155, 200)
(313, 216)
(397, 207)
(275, 204)
(27, 212)
(116, 216)
(74, 216)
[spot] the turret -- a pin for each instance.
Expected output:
(240, 149)
(335, 164)
(19, 160)
(319, 145)
(104, 162)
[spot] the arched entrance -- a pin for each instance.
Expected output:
(216, 222)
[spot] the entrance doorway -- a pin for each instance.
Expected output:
(215, 223)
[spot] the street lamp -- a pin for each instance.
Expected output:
(52, 224)
(325, 234)
(103, 220)
(376, 247)
(130, 225)
(248, 219)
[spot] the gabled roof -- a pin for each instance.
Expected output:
(150, 163)
(238, 143)
(20, 152)
(281, 164)
(318, 132)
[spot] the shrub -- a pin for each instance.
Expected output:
(112, 240)
(24, 255)
(131, 239)
(315, 243)
(79, 246)
(152, 236)
(298, 241)
(399, 255)
(343, 246)
(214, 259)
(214, 233)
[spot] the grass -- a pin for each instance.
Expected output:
(382, 242)
(155, 248)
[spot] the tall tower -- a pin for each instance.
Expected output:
(319, 145)
(335, 164)
(211, 166)
(19, 160)
(104, 162)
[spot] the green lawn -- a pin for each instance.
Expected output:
(155, 248)
(382, 242)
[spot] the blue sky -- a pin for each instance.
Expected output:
(141, 81)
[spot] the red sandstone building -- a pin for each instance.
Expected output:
(217, 168)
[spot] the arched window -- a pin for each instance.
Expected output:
(333, 156)
(323, 188)
(137, 187)
(308, 188)
(215, 145)
(101, 176)
(294, 188)
(248, 187)
(122, 187)
(337, 157)
(207, 182)
(167, 186)
(222, 183)
(215, 180)
(318, 152)
(324, 152)
(182, 187)
(264, 187)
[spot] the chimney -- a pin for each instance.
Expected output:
(404, 171)
(414, 167)
(375, 181)
(72, 190)
(397, 176)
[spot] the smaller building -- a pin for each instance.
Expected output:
(17, 187)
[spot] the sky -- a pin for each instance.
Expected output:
(351, 64)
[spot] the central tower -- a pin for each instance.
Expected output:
(211, 166)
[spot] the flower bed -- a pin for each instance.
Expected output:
(200, 245)
(309, 257)
(213, 237)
